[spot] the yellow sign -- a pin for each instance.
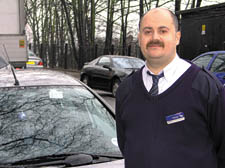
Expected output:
(203, 29)
(30, 62)
(22, 43)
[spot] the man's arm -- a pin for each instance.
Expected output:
(119, 122)
(217, 125)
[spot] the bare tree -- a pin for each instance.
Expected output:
(109, 28)
(177, 5)
(198, 3)
(70, 29)
(124, 23)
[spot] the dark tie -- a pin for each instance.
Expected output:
(155, 80)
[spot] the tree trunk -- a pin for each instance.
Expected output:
(198, 3)
(193, 4)
(157, 3)
(141, 14)
(70, 30)
(177, 5)
(124, 22)
(141, 8)
(109, 28)
(92, 38)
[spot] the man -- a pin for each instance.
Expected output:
(170, 114)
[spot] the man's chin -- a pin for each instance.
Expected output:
(155, 53)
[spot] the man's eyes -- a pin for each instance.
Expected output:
(147, 32)
(161, 31)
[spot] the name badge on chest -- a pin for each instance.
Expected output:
(174, 118)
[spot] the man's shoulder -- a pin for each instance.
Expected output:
(207, 83)
(128, 83)
(206, 77)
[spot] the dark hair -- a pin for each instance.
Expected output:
(174, 17)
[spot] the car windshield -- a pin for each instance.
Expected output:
(126, 63)
(40, 121)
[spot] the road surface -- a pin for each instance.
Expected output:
(108, 97)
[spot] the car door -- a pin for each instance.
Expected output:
(218, 67)
(103, 73)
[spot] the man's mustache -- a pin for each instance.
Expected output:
(155, 43)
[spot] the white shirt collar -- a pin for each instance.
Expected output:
(171, 73)
(171, 68)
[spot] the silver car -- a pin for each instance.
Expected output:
(33, 60)
(50, 119)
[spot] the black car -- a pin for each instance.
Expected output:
(50, 119)
(106, 72)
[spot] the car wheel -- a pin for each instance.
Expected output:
(85, 79)
(115, 86)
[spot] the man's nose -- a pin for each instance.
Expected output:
(155, 35)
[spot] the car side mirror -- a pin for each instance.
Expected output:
(86, 63)
(107, 67)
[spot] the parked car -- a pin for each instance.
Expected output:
(106, 72)
(50, 119)
(214, 61)
(33, 60)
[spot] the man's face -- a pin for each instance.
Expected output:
(157, 37)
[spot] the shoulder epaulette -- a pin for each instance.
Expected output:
(212, 76)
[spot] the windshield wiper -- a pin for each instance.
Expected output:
(70, 159)
(52, 160)
(105, 158)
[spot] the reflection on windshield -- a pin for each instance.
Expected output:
(39, 121)
(120, 62)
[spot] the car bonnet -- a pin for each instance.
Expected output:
(36, 78)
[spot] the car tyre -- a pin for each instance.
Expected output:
(115, 86)
(85, 79)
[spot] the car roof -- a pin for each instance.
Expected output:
(213, 52)
(121, 56)
(36, 77)
(34, 57)
(110, 56)
(209, 52)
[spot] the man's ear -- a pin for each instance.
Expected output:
(178, 36)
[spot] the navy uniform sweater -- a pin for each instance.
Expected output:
(145, 138)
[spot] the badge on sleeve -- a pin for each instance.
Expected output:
(174, 118)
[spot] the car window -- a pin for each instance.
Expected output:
(104, 61)
(203, 61)
(218, 64)
(40, 121)
(120, 62)
(31, 53)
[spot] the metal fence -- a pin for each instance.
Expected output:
(63, 57)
